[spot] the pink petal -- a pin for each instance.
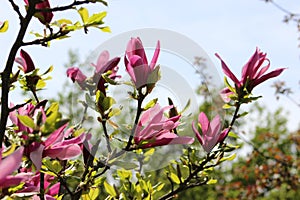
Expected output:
(215, 125)
(265, 77)
(56, 136)
(29, 63)
(10, 163)
(204, 122)
(227, 71)
(155, 56)
(225, 93)
(63, 152)
(102, 59)
(199, 137)
(36, 157)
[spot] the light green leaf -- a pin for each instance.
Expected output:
(231, 157)
(107, 103)
(96, 18)
(125, 165)
(92, 195)
(174, 178)
(4, 26)
(105, 29)
(110, 189)
(114, 112)
(84, 14)
(212, 181)
(26, 121)
(150, 104)
(64, 21)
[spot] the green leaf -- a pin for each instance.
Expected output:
(26, 121)
(226, 106)
(92, 195)
(231, 157)
(107, 103)
(50, 69)
(149, 152)
(124, 174)
(187, 105)
(97, 18)
(233, 135)
(174, 178)
(212, 181)
(110, 189)
(40, 84)
(114, 112)
(105, 29)
(125, 165)
(150, 104)
(84, 14)
(53, 166)
(64, 21)
(4, 26)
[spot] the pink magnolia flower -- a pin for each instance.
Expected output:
(25, 61)
(211, 132)
(104, 65)
(76, 76)
(154, 129)
(56, 146)
(33, 185)
(29, 110)
(253, 72)
(137, 66)
(44, 17)
(7, 166)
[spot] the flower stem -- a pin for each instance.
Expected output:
(136, 121)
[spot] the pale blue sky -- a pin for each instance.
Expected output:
(233, 28)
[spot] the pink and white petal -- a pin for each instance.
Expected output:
(155, 56)
(56, 136)
(102, 60)
(13, 161)
(63, 152)
(204, 122)
(37, 156)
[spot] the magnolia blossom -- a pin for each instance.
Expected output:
(7, 166)
(103, 66)
(76, 75)
(211, 132)
(25, 61)
(253, 72)
(154, 129)
(137, 66)
(56, 146)
(32, 186)
(29, 110)
(44, 17)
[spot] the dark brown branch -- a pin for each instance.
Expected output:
(16, 8)
(24, 22)
(44, 40)
(70, 6)
(19, 105)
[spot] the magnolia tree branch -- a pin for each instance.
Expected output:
(70, 6)
(5, 76)
(16, 9)
(24, 22)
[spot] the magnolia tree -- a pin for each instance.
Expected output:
(45, 156)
